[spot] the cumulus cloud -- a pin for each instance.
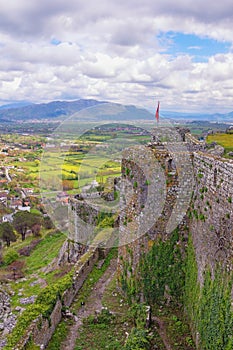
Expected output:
(114, 51)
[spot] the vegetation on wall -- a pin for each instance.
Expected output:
(209, 307)
(164, 275)
(160, 273)
(61, 331)
(43, 306)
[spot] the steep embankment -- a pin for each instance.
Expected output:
(92, 304)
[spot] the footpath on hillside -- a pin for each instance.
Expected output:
(85, 336)
(92, 304)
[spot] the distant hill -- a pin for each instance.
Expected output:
(58, 110)
(54, 109)
(61, 109)
(215, 117)
(16, 105)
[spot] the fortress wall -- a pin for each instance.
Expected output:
(149, 199)
(212, 211)
(209, 220)
(41, 329)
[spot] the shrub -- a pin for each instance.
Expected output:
(208, 308)
(43, 306)
(105, 316)
(137, 340)
(138, 313)
(10, 257)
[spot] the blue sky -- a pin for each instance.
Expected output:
(55, 41)
(131, 52)
(200, 48)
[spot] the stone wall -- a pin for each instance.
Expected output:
(208, 219)
(156, 194)
(211, 225)
(210, 205)
(41, 329)
(7, 318)
(83, 216)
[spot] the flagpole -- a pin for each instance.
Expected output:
(157, 113)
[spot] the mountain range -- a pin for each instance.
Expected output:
(24, 111)
(42, 111)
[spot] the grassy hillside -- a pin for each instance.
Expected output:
(24, 274)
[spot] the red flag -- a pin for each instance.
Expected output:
(157, 113)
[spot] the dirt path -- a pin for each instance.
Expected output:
(162, 332)
(93, 303)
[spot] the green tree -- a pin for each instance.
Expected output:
(23, 220)
(34, 223)
(7, 233)
(20, 223)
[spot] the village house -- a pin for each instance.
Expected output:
(62, 197)
(15, 203)
(7, 218)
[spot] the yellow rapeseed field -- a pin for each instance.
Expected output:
(223, 139)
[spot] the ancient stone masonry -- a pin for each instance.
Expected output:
(85, 213)
(168, 158)
(212, 211)
(70, 252)
(41, 329)
(82, 218)
(172, 182)
(197, 200)
(7, 318)
(197, 183)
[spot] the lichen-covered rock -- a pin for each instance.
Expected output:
(7, 318)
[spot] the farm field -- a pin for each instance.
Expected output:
(94, 157)
(65, 162)
(223, 139)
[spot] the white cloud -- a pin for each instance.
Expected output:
(110, 50)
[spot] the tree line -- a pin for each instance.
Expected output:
(23, 221)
